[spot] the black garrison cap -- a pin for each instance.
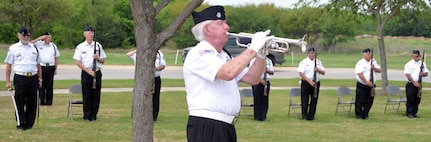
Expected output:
(311, 50)
(210, 13)
(416, 52)
(22, 30)
(88, 28)
(368, 50)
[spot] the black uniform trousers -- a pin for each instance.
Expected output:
(201, 129)
(46, 91)
(308, 102)
(90, 96)
(412, 99)
(156, 97)
(364, 101)
(260, 102)
(26, 99)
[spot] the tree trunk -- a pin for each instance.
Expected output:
(147, 44)
(144, 15)
(384, 71)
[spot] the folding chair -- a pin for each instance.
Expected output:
(295, 100)
(75, 90)
(246, 100)
(345, 99)
(394, 98)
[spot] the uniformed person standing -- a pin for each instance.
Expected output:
(412, 70)
(306, 70)
(49, 61)
(160, 65)
(211, 77)
(364, 99)
(85, 56)
(261, 92)
(27, 79)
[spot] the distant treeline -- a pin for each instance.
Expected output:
(113, 22)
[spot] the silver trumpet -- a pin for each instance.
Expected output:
(273, 45)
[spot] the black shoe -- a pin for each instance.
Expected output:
(410, 116)
(20, 128)
(415, 116)
(310, 118)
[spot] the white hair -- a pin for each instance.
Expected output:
(198, 30)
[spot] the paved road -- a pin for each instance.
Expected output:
(175, 72)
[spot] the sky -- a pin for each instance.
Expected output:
(277, 3)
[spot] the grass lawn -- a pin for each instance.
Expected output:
(114, 122)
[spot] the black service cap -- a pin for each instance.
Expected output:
(416, 52)
(368, 50)
(210, 13)
(88, 28)
(22, 30)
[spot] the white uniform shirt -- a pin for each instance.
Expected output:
(84, 53)
(204, 91)
(413, 68)
(24, 58)
(48, 52)
(269, 67)
(160, 60)
(364, 67)
(306, 66)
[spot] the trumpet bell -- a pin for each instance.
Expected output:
(303, 48)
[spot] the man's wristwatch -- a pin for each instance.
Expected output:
(40, 80)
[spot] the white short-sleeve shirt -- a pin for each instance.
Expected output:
(413, 68)
(268, 65)
(364, 67)
(160, 60)
(204, 91)
(306, 66)
(48, 52)
(24, 58)
(84, 53)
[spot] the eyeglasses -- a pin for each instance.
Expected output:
(26, 35)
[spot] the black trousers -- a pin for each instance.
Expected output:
(90, 96)
(364, 101)
(201, 129)
(156, 97)
(308, 102)
(260, 102)
(412, 100)
(26, 99)
(46, 91)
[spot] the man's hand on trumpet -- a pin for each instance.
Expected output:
(258, 41)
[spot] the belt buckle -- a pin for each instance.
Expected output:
(29, 74)
(234, 120)
(47, 65)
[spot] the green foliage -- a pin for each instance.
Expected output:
(114, 24)
(183, 37)
(251, 18)
(7, 35)
(409, 23)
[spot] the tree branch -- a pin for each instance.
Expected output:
(161, 5)
(182, 17)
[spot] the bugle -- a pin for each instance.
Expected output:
(284, 42)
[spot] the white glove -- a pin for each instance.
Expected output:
(258, 41)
